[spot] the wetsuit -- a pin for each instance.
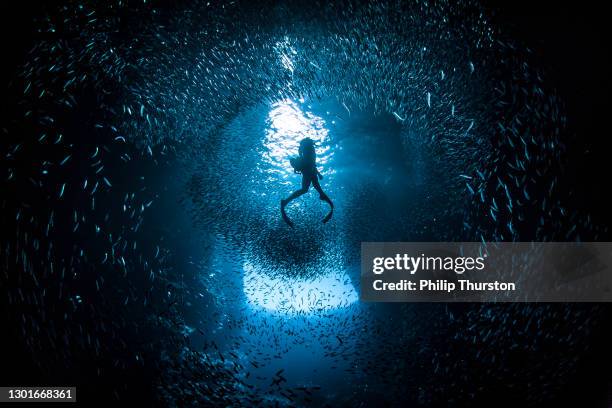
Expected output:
(310, 175)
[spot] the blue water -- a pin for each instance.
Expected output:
(286, 298)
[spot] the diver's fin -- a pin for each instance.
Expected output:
(329, 215)
(284, 214)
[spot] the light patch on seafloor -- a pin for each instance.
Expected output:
(289, 295)
(286, 125)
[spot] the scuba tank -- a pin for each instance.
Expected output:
(297, 164)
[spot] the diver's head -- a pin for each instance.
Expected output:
(307, 147)
(307, 142)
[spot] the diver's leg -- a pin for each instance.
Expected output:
(305, 186)
(293, 196)
(323, 197)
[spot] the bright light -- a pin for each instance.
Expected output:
(331, 290)
(287, 124)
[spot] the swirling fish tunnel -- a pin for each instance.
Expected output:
(146, 150)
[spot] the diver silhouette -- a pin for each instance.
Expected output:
(306, 165)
